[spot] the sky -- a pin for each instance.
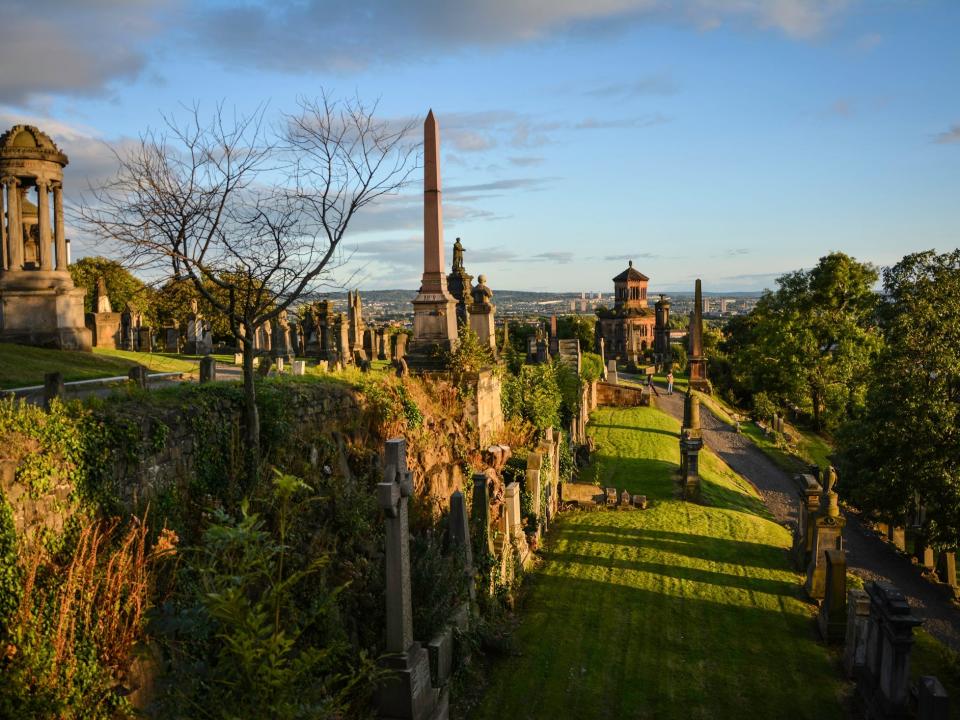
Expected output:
(731, 140)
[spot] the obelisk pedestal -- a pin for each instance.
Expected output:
(434, 308)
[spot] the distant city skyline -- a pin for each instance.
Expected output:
(731, 140)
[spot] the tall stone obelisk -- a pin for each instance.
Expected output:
(697, 362)
(434, 308)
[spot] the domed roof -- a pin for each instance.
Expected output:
(28, 142)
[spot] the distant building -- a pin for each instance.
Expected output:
(629, 328)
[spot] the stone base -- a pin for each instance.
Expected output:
(45, 317)
(408, 693)
(691, 488)
(104, 329)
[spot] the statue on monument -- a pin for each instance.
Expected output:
(482, 294)
(457, 255)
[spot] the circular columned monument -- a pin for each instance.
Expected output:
(39, 304)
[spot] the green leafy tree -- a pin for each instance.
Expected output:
(580, 327)
(468, 358)
(591, 367)
(533, 394)
(122, 287)
(813, 339)
(905, 446)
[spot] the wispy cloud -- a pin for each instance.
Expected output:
(649, 85)
(495, 186)
(526, 161)
(948, 137)
(619, 123)
(554, 257)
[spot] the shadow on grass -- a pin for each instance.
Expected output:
(759, 555)
(653, 478)
(727, 498)
(585, 646)
(634, 428)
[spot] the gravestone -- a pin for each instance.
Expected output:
(208, 370)
(947, 569)
(383, 344)
(171, 339)
(407, 692)
(238, 358)
(400, 345)
(53, 388)
(883, 684)
(625, 499)
(858, 625)
(933, 703)
(809, 498)
(898, 537)
(460, 537)
(279, 363)
(511, 502)
(832, 619)
(300, 367)
(612, 372)
(611, 496)
(827, 529)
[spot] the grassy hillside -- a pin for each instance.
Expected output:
(679, 611)
(21, 365)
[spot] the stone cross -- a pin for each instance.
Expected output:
(392, 495)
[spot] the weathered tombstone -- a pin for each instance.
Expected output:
(138, 374)
(511, 501)
(884, 682)
(625, 499)
(238, 358)
(53, 388)
(611, 494)
(299, 367)
(400, 345)
(171, 339)
(898, 537)
(827, 530)
(145, 339)
(947, 569)
(926, 558)
(858, 626)
(208, 369)
(263, 369)
(402, 369)
(383, 344)
(612, 372)
(460, 536)
(933, 703)
(440, 652)
(279, 363)
(407, 691)
(833, 611)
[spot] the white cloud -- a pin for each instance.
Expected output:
(948, 137)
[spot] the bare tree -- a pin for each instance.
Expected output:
(252, 216)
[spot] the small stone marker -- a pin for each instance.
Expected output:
(208, 370)
(898, 537)
(238, 358)
(53, 387)
(279, 362)
(511, 499)
(440, 650)
(300, 367)
(933, 703)
(926, 558)
(611, 496)
(138, 374)
(640, 501)
(612, 377)
(625, 499)
(460, 536)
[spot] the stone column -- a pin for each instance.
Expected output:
(4, 256)
(433, 277)
(14, 224)
(43, 224)
(59, 230)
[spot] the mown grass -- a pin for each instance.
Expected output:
(679, 611)
(21, 365)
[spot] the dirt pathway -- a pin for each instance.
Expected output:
(868, 557)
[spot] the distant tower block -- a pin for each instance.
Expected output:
(697, 362)
(39, 304)
(434, 308)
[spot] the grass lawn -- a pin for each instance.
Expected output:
(22, 366)
(680, 611)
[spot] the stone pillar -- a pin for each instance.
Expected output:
(59, 229)
(53, 388)
(407, 692)
(884, 683)
(806, 517)
(4, 254)
(43, 225)
(460, 537)
(15, 223)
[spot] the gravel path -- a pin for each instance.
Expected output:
(868, 556)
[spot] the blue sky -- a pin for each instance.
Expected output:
(732, 140)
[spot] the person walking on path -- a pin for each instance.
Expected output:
(670, 383)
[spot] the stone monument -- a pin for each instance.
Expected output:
(691, 442)
(826, 529)
(103, 323)
(355, 318)
(39, 304)
(460, 283)
(407, 692)
(434, 308)
(481, 314)
(697, 363)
